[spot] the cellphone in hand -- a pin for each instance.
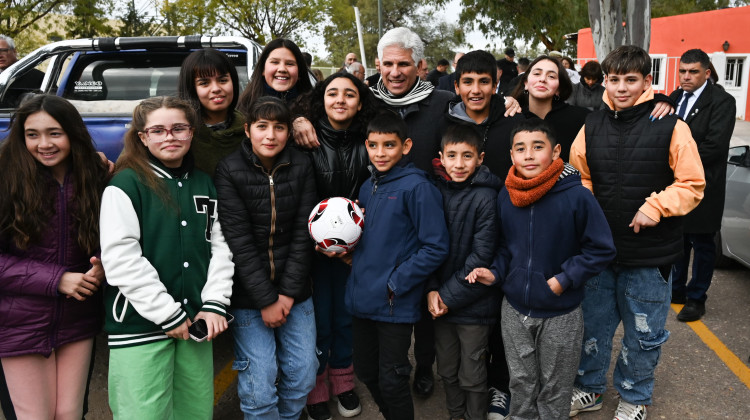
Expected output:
(199, 330)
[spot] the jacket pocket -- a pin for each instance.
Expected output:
(120, 307)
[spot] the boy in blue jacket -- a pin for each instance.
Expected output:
(554, 238)
(404, 240)
(465, 313)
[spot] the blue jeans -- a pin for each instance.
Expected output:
(704, 257)
(333, 321)
(262, 354)
(639, 297)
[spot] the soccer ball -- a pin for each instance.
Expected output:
(336, 224)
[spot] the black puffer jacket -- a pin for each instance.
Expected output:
(264, 219)
(471, 213)
(341, 160)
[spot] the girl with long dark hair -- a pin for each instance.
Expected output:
(50, 195)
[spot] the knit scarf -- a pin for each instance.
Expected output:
(421, 90)
(524, 192)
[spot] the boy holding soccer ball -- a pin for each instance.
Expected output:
(465, 313)
(404, 241)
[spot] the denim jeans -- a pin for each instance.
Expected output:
(262, 354)
(638, 297)
(704, 257)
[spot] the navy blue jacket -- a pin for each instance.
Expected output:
(404, 240)
(471, 212)
(563, 235)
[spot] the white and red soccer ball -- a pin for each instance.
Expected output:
(335, 224)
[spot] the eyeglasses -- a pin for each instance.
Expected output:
(4, 50)
(182, 132)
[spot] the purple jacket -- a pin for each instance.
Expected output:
(34, 317)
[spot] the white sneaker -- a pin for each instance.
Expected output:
(584, 401)
(628, 411)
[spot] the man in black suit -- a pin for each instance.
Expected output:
(709, 111)
(448, 82)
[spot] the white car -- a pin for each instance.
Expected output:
(734, 237)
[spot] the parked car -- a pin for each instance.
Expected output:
(104, 78)
(734, 237)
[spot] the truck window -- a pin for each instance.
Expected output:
(128, 75)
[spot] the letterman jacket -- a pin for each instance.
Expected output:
(164, 262)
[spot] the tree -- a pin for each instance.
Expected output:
(88, 19)
(547, 21)
(533, 21)
(135, 22)
(340, 33)
(265, 20)
(189, 17)
(19, 15)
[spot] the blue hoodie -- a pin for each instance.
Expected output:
(405, 239)
(564, 235)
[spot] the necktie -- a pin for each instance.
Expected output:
(683, 106)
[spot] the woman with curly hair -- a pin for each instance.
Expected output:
(339, 108)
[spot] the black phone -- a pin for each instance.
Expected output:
(199, 330)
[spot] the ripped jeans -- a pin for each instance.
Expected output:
(639, 297)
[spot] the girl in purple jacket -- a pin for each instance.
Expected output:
(50, 308)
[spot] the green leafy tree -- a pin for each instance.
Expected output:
(265, 20)
(189, 17)
(88, 18)
(340, 33)
(136, 22)
(545, 22)
(19, 15)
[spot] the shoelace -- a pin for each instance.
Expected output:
(632, 411)
(499, 399)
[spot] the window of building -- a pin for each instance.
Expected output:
(733, 74)
(658, 72)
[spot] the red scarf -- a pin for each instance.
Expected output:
(524, 192)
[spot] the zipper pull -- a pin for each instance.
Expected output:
(270, 179)
(616, 116)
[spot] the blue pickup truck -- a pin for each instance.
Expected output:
(106, 77)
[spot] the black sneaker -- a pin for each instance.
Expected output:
(692, 311)
(349, 404)
(318, 411)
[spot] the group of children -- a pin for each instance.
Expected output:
(179, 247)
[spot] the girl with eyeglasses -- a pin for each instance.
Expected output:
(169, 267)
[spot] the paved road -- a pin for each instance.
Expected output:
(704, 372)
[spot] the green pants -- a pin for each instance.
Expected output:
(166, 380)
